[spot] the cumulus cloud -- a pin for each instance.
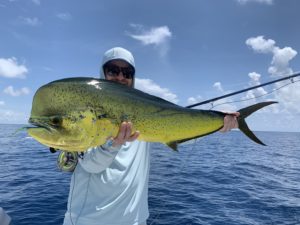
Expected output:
(258, 92)
(218, 86)
(11, 91)
(280, 61)
(31, 21)
(152, 88)
(194, 100)
(64, 16)
(11, 68)
(281, 56)
(157, 36)
(255, 80)
(260, 44)
(268, 2)
(289, 96)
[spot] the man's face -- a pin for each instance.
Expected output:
(119, 71)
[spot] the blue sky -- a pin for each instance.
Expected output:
(185, 51)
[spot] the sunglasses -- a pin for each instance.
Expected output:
(114, 71)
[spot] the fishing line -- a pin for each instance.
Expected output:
(259, 96)
(84, 202)
(71, 199)
(73, 186)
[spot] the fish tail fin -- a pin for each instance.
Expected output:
(244, 113)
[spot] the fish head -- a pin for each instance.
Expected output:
(63, 132)
(60, 120)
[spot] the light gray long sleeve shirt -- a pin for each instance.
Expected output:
(110, 187)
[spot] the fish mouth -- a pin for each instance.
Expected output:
(38, 124)
(52, 136)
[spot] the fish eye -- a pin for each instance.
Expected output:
(56, 121)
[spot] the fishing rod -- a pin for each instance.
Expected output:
(244, 90)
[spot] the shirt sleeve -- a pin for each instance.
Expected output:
(97, 159)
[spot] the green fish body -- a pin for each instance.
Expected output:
(75, 114)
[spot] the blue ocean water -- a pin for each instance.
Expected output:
(216, 180)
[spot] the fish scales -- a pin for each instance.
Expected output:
(75, 114)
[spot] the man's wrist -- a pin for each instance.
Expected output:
(109, 146)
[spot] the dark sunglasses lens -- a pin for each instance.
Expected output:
(113, 70)
(128, 73)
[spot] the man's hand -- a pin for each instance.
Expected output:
(230, 121)
(124, 134)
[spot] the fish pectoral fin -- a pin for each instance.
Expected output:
(172, 145)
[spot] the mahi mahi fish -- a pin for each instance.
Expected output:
(74, 114)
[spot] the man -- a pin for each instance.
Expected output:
(109, 185)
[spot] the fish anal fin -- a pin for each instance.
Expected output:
(172, 145)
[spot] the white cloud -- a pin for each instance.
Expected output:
(218, 86)
(258, 92)
(31, 21)
(289, 96)
(64, 16)
(11, 91)
(157, 36)
(261, 45)
(2, 103)
(280, 61)
(194, 100)
(255, 93)
(254, 78)
(225, 104)
(268, 2)
(281, 56)
(9, 116)
(11, 68)
(150, 87)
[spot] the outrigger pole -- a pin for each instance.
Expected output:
(244, 90)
